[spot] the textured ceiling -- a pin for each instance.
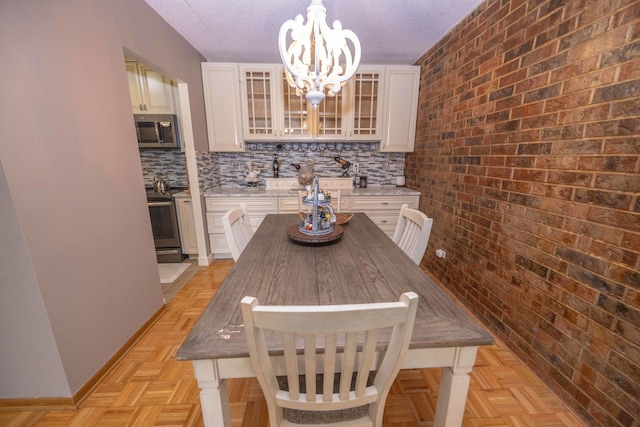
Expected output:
(390, 31)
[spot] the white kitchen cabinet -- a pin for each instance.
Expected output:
(383, 210)
(401, 87)
(187, 226)
(222, 106)
(257, 209)
(288, 204)
(364, 104)
(150, 91)
(272, 111)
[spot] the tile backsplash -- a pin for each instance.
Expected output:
(228, 169)
(172, 163)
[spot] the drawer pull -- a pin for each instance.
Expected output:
(383, 221)
(385, 203)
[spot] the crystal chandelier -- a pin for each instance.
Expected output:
(318, 57)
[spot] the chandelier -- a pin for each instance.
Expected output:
(318, 58)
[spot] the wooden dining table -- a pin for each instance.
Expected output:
(362, 266)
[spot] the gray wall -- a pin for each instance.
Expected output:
(78, 272)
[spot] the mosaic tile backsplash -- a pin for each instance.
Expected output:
(172, 163)
(380, 168)
(228, 169)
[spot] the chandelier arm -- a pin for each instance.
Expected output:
(319, 57)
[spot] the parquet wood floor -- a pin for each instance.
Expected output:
(148, 387)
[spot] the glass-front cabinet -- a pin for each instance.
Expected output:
(364, 106)
(379, 103)
(273, 111)
(295, 120)
(259, 97)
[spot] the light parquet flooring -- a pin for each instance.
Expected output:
(148, 387)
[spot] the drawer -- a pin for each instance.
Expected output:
(214, 222)
(288, 204)
(371, 203)
(219, 246)
(386, 221)
(263, 205)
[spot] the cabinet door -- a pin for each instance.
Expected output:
(365, 104)
(150, 91)
(187, 226)
(259, 96)
(328, 118)
(157, 91)
(222, 106)
(400, 108)
(137, 103)
(294, 120)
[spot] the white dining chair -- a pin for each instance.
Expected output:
(412, 232)
(348, 336)
(237, 230)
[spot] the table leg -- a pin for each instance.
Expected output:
(454, 385)
(214, 398)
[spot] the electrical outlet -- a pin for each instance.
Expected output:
(440, 253)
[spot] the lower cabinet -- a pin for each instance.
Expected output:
(257, 209)
(383, 210)
(187, 226)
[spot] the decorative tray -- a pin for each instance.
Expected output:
(309, 201)
(294, 234)
(341, 218)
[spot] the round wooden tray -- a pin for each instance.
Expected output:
(294, 234)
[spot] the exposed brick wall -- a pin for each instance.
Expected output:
(527, 156)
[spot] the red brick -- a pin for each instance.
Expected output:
(536, 190)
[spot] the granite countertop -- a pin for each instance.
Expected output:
(262, 192)
(182, 195)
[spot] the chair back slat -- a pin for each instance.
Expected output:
(290, 356)
(310, 366)
(349, 334)
(329, 366)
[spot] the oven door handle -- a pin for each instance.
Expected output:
(159, 204)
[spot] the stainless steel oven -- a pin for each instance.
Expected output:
(164, 224)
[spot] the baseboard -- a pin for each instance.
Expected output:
(38, 404)
(72, 403)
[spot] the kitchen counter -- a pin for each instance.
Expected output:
(262, 192)
(182, 195)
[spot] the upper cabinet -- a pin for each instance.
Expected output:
(364, 104)
(273, 111)
(270, 110)
(151, 92)
(222, 105)
(401, 88)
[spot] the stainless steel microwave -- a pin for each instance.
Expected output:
(157, 131)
